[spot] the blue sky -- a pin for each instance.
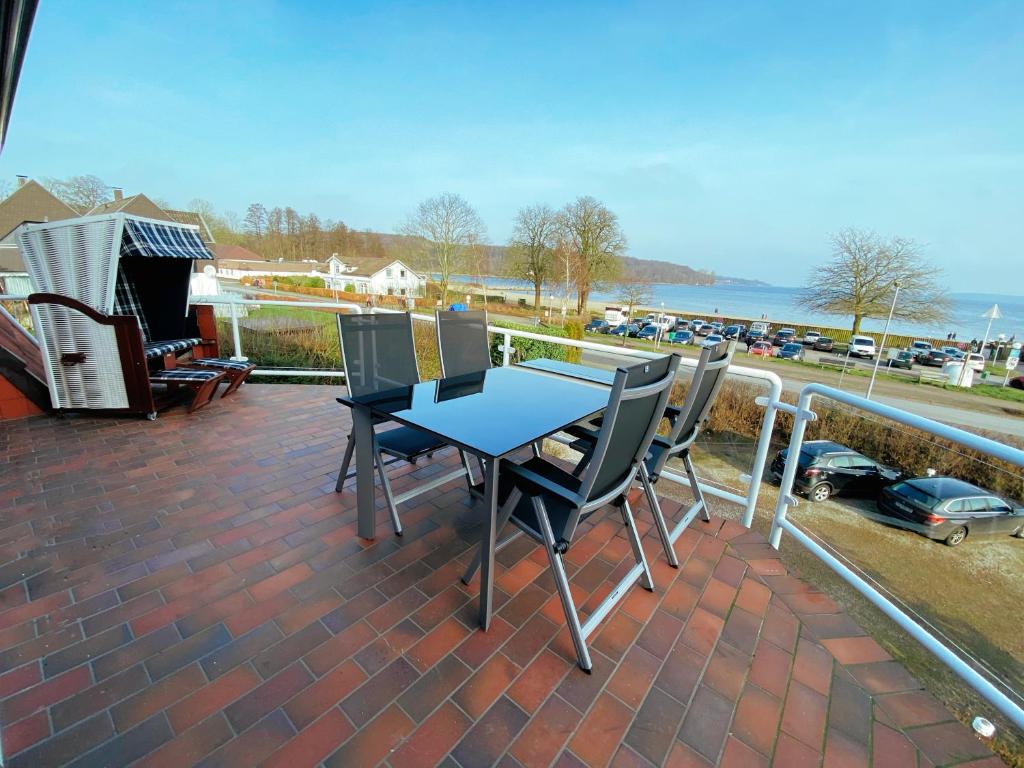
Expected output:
(732, 137)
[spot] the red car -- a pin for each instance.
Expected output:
(762, 348)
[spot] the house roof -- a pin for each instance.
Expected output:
(32, 202)
(196, 219)
(368, 266)
(234, 252)
(262, 267)
(138, 205)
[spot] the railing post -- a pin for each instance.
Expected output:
(764, 442)
(789, 472)
(506, 345)
(235, 336)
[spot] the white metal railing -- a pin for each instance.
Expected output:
(781, 522)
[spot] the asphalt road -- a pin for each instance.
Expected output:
(948, 407)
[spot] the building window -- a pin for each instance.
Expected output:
(387, 272)
(402, 273)
(403, 291)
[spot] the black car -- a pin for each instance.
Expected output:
(752, 337)
(792, 351)
(904, 359)
(783, 336)
(823, 344)
(948, 510)
(733, 331)
(630, 330)
(935, 358)
(597, 326)
(825, 468)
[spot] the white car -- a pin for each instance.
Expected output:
(862, 346)
(976, 361)
(811, 336)
(711, 340)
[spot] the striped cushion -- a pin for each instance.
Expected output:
(177, 375)
(223, 363)
(161, 348)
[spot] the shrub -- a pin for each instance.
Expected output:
(574, 330)
(528, 349)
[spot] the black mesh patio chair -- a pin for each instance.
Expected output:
(463, 347)
(547, 503)
(462, 342)
(685, 423)
(379, 355)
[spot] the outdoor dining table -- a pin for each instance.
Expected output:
(491, 414)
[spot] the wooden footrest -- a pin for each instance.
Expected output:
(236, 371)
(202, 383)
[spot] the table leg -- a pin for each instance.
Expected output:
(362, 429)
(487, 541)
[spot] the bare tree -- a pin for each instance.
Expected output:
(592, 234)
(534, 237)
(450, 228)
(633, 293)
(256, 220)
(83, 193)
(862, 275)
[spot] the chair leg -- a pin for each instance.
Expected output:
(692, 477)
(503, 515)
(389, 497)
(469, 469)
(659, 517)
(349, 450)
(562, 582)
(634, 540)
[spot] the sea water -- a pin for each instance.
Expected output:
(779, 304)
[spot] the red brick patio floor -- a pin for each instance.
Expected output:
(192, 591)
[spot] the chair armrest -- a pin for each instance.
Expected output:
(532, 484)
(672, 413)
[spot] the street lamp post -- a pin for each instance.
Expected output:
(992, 314)
(885, 333)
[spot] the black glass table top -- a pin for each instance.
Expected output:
(490, 413)
(572, 370)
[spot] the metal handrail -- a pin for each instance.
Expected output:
(781, 522)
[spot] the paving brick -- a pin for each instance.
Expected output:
(543, 737)
(634, 676)
(98, 697)
(757, 719)
(138, 742)
(325, 693)
(490, 735)
(212, 698)
(433, 739)
(277, 657)
(267, 697)
(139, 650)
(65, 746)
(373, 742)
(771, 668)
(655, 726)
(707, 723)
(154, 698)
(19, 679)
(24, 703)
(427, 693)
(24, 733)
(485, 685)
(252, 747)
(949, 742)
(601, 730)
(187, 651)
(363, 704)
(856, 650)
(795, 754)
(804, 714)
(314, 743)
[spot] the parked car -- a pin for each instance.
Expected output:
(762, 327)
(949, 510)
(761, 348)
(597, 326)
(632, 329)
(649, 332)
(920, 348)
(904, 359)
(695, 325)
(705, 329)
(935, 358)
(682, 325)
(825, 468)
(791, 351)
(783, 336)
(681, 337)
(810, 337)
(1017, 383)
(712, 339)
(953, 352)
(823, 344)
(731, 332)
(976, 362)
(862, 346)
(717, 326)
(640, 322)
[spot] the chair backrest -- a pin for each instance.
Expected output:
(462, 342)
(378, 352)
(126, 302)
(695, 411)
(635, 408)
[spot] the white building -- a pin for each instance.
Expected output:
(375, 276)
